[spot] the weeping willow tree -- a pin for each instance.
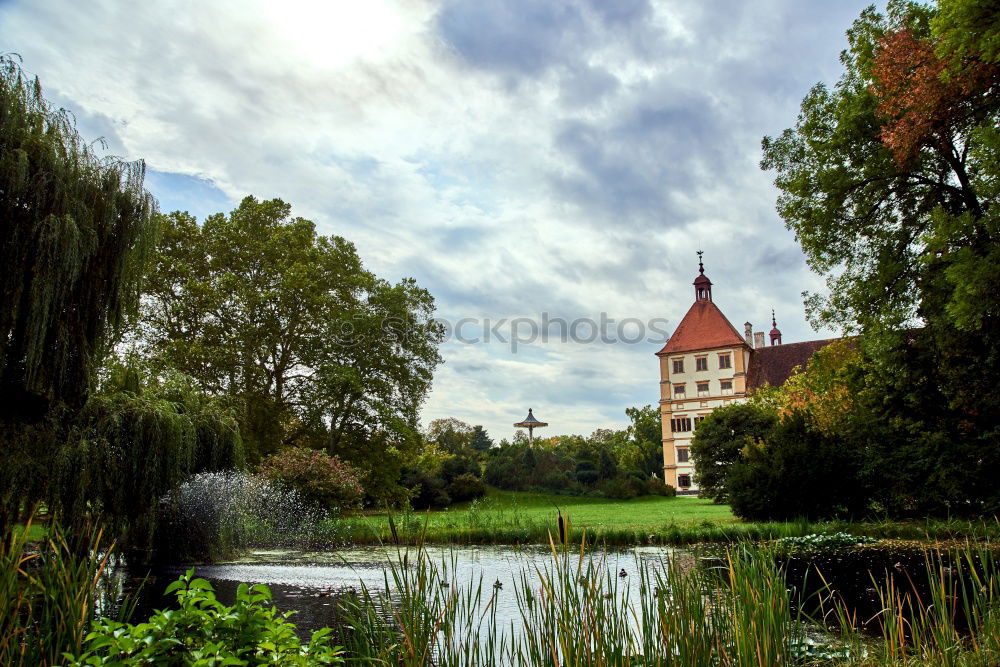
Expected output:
(75, 231)
(134, 441)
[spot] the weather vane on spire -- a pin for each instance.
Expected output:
(701, 267)
(774, 322)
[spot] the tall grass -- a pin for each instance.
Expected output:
(955, 622)
(576, 611)
(48, 595)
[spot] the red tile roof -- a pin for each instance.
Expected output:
(773, 365)
(703, 328)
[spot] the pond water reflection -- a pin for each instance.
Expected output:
(310, 582)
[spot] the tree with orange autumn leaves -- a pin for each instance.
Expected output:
(890, 180)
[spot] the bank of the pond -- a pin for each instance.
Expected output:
(506, 517)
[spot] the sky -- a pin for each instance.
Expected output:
(526, 161)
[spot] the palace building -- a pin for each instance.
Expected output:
(706, 364)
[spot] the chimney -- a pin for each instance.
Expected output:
(748, 333)
(758, 339)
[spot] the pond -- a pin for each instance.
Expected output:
(310, 582)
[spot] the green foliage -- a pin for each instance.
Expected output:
(968, 29)
(618, 464)
(75, 229)
(203, 631)
(796, 471)
(875, 227)
(720, 440)
(154, 439)
(890, 182)
(466, 487)
(820, 541)
(480, 440)
(245, 303)
(426, 490)
(452, 435)
(318, 477)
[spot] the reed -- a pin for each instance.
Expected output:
(739, 610)
(576, 611)
(50, 594)
(954, 622)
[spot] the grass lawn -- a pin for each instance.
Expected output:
(646, 513)
(36, 531)
(510, 517)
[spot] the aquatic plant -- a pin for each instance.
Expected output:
(49, 592)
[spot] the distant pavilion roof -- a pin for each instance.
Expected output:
(530, 421)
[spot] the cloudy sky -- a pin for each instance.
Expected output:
(516, 157)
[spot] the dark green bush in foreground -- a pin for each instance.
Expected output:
(203, 631)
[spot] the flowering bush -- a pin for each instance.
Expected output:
(316, 475)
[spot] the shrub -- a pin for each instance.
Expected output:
(586, 472)
(657, 487)
(466, 487)
(204, 631)
(620, 488)
(797, 472)
(457, 466)
(426, 491)
(317, 476)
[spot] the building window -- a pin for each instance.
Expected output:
(726, 386)
(703, 389)
(680, 424)
(698, 420)
(701, 363)
(679, 390)
(678, 365)
(684, 481)
(682, 455)
(725, 361)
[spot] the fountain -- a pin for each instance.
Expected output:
(214, 515)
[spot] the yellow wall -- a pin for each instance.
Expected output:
(692, 405)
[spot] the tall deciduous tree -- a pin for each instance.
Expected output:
(890, 183)
(75, 230)
(720, 440)
(452, 435)
(889, 179)
(256, 305)
(480, 441)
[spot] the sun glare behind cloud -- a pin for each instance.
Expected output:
(337, 32)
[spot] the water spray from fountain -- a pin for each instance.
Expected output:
(216, 515)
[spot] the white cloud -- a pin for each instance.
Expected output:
(571, 165)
